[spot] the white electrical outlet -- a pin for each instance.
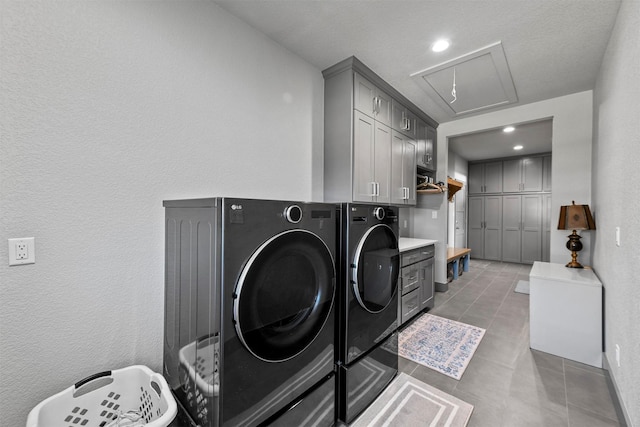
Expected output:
(434, 214)
(22, 251)
(617, 236)
(618, 355)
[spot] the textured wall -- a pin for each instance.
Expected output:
(107, 109)
(617, 201)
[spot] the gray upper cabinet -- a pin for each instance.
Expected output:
(371, 160)
(403, 169)
(426, 146)
(485, 178)
(362, 160)
(522, 175)
(371, 100)
(403, 120)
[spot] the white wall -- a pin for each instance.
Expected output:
(571, 146)
(616, 152)
(108, 108)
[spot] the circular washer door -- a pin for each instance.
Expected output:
(284, 295)
(376, 268)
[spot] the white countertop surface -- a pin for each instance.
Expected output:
(551, 271)
(407, 243)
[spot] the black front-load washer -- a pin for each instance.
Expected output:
(249, 310)
(366, 337)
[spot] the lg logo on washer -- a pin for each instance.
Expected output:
(236, 215)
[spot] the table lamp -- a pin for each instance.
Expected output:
(575, 217)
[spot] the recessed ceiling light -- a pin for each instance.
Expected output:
(509, 129)
(440, 45)
(518, 147)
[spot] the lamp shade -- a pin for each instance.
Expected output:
(576, 217)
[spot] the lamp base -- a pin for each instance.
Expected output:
(574, 264)
(574, 245)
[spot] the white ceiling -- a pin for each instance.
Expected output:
(535, 137)
(552, 47)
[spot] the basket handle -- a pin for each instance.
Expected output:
(91, 378)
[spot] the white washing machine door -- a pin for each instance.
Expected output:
(284, 295)
(375, 268)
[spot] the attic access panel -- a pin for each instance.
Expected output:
(483, 81)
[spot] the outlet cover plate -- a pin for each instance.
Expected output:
(22, 251)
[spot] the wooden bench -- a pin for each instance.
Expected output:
(455, 255)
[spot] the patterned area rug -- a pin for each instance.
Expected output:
(441, 344)
(522, 287)
(409, 402)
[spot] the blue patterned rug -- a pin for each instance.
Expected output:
(441, 344)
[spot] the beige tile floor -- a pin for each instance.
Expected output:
(508, 383)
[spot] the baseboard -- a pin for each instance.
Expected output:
(441, 287)
(621, 410)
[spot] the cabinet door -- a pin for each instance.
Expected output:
(493, 177)
(370, 100)
(476, 178)
(409, 171)
(383, 113)
(382, 162)
(511, 176)
(546, 173)
(364, 96)
(531, 228)
(403, 169)
(532, 174)
(476, 226)
(403, 120)
(427, 284)
(511, 228)
(493, 227)
(397, 162)
(363, 158)
(431, 148)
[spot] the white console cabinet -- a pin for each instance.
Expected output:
(566, 312)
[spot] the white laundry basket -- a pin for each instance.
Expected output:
(134, 395)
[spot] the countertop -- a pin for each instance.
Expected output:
(549, 271)
(407, 243)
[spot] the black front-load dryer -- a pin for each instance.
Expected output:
(249, 316)
(366, 337)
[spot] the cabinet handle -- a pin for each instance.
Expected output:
(379, 102)
(373, 189)
(377, 188)
(375, 104)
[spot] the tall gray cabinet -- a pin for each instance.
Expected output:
(485, 227)
(513, 223)
(373, 144)
(522, 228)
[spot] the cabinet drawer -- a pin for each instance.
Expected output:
(410, 278)
(410, 305)
(416, 255)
